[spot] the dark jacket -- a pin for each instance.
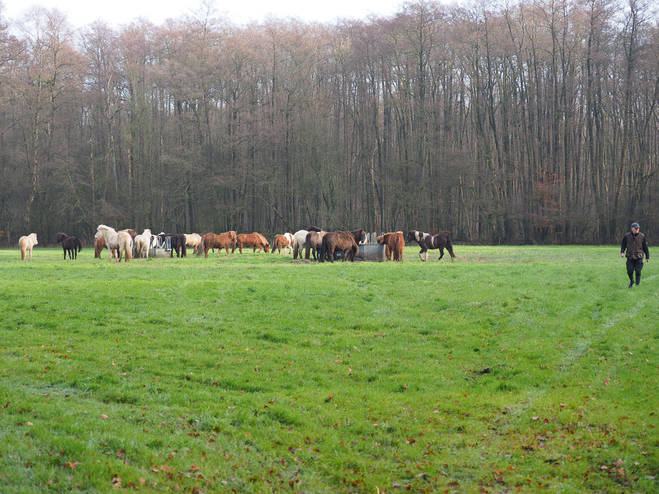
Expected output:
(635, 245)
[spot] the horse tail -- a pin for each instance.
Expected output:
(323, 249)
(449, 247)
(129, 251)
(78, 244)
(307, 243)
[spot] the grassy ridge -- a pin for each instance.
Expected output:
(510, 368)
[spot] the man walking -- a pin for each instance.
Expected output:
(636, 245)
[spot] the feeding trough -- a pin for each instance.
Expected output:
(367, 252)
(371, 252)
(164, 249)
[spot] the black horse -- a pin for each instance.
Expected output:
(426, 241)
(177, 243)
(72, 245)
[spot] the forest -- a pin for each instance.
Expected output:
(524, 122)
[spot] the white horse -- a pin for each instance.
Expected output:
(142, 244)
(299, 243)
(26, 243)
(116, 242)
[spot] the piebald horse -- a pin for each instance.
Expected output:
(427, 241)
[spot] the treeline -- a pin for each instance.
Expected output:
(534, 122)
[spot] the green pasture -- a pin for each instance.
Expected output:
(510, 369)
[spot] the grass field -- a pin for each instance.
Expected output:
(510, 369)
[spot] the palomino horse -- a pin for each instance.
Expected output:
(219, 242)
(299, 242)
(394, 243)
(72, 245)
(427, 241)
(255, 240)
(143, 244)
(193, 240)
(284, 241)
(313, 242)
(115, 242)
(26, 243)
(335, 241)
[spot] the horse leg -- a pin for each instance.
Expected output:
(441, 252)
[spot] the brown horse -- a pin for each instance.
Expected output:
(394, 243)
(313, 243)
(334, 241)
(99, 245)
(219, 242)
(255, 240)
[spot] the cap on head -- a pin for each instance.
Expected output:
(635, 225)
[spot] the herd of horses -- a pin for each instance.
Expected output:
(314, 242)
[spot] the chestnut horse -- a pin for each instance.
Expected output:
(219, 242)
(345, 241)
(72, 245)
(394, 243)
(427, 241)
(284, 241)
(251, 240)
(99, 245)
(313, 243)
(26, 243)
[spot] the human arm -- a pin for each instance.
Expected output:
(623, 246)
(646, 250)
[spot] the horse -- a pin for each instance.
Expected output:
(254, 240)
(359, 236)
(219, 242)
(313, 242)
(193, 240)
(394, 243)
(99, 245)
(299, 242)
(131, 232)
(334, 241)
(284, 241)
(116, 241)
(178, 245)
(427, 241)
(26, 243)
(72, 245)
(143, 244)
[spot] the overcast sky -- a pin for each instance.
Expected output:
(115, 12)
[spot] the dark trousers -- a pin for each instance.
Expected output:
(634, 265)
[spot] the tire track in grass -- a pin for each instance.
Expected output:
(580, 348)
